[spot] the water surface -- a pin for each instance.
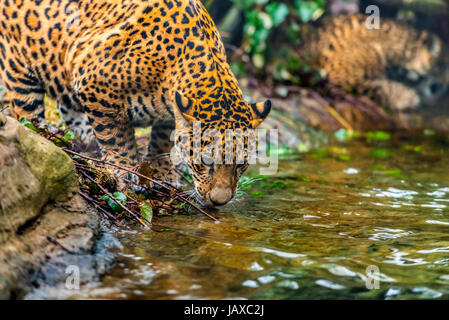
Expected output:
(310, 232)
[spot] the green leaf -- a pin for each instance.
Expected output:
(319, 153)
(395, 173)
(146, 211)
(68, 136)
(304, 179)
(377, 136)
(341, 135)
(305, 9)
(344, 157)
(283, 151)
(113, 204)
(258, 60)
(278, 184)
(381, 153)
(278, 12)
(344, 135)
(302, 147)
(28, 124)
(120, 196)
(417, 149)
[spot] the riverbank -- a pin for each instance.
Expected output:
(46, 228)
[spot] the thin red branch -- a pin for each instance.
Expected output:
(136, 216)
(178, 193)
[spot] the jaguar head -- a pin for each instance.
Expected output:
(214, 138)
(428, 70)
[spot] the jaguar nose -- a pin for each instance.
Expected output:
(220, 196)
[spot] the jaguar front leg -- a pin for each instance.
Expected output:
(114, 133)
(159, 153)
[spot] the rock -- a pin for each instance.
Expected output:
(304, 109)
(45, 226)
(293, 132)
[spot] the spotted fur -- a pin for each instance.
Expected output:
(113, 65)
(396, 65)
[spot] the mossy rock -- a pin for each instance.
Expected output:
(33, 172)
(45, 225)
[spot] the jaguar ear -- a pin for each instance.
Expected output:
(260, 112)
(185, 106)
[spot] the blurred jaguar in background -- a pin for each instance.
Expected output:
(396, 65)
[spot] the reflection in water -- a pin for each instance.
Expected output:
(309, 232)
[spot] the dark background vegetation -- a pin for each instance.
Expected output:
(262, 36)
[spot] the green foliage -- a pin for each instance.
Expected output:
(257, 192)
(345, 135)
(278, 12)
(381, 153)
(429, 132)
(383, 169)
(417, 149)
(340, 154)
(28, 124)
(308, 10)
(397, 173)
(261, 185)
(377, 136)
(146, 211)
(266, 21)
(70, 135)
(60, 137)
(113, 204)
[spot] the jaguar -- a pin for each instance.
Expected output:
(396, 65)
(113, 65)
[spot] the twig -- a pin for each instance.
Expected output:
(112, 197)
(178, 194)
(103, 211)
(339, 118)
(154, 190)
(179, 172)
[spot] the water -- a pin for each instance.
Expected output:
(310, 232)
